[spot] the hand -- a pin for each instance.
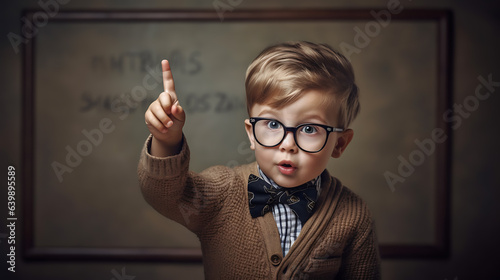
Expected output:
(165, 118)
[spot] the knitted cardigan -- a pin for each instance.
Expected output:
(337, 242)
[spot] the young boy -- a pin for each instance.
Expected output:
(283, 216)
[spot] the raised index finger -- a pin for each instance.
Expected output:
(168, 79)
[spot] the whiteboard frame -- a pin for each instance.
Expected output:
(444, 43)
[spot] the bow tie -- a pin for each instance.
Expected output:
(262, 196)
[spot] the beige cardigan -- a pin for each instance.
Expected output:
(338, 241)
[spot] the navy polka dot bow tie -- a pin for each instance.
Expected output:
(262, 196)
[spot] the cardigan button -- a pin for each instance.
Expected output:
(275, 259)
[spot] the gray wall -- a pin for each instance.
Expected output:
(474, 176)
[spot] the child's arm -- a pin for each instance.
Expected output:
(362, 259)
(165, 118)
(190, 199)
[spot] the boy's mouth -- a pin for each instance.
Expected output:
(286, 167)
(286, 163)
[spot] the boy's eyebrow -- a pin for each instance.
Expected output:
(267, 111)
(308, 119)
(314, 117)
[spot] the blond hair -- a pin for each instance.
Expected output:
(280, 73)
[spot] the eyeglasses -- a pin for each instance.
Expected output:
(309, 137)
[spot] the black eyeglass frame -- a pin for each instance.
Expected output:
(329, 129)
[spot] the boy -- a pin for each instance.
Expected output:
(283, 216)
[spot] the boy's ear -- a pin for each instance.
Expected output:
(343, 140)
(248, 128)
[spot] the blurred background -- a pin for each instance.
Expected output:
(474, 175)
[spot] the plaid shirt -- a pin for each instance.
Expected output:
(289, 225)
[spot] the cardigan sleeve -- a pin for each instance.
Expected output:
(362, 259)
(183, 196)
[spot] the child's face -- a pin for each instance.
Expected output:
(286, 163)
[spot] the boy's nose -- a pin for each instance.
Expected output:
(288, 144)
